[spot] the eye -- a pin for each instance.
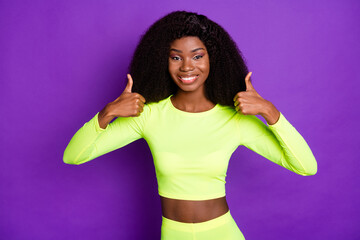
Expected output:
(174, 58)
(198, 56)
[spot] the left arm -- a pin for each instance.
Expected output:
(279, 142)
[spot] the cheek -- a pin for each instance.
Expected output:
(205, 67)
(172, 72)
(171, 68)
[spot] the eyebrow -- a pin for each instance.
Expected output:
(194, 50)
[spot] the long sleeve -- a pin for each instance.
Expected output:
(280, 143)
(91, 141)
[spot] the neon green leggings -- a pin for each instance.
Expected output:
(223, 227)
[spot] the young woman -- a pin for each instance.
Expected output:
(193, 102)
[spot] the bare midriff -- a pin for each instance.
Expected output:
(193, 211)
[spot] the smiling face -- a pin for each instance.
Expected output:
(189, 64)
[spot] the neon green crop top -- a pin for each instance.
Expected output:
(191, 151)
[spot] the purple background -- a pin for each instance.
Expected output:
(62, 61)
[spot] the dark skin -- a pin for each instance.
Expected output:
(189, 68)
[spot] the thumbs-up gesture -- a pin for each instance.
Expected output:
(128, 104)
(249, 102)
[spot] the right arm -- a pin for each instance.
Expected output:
(98, 136)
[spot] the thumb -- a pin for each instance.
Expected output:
(248, 83)
(129, 85)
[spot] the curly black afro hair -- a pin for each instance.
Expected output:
(149, 65)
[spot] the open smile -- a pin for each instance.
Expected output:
(188, 79)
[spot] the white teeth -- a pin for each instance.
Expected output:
(188, 78)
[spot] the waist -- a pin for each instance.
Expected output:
(189, 211)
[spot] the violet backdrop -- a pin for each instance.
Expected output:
(62, 61)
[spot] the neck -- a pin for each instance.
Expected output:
(192, 101)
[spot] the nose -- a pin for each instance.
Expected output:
(187, 66)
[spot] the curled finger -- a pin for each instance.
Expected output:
(141, 98)
(140, 103)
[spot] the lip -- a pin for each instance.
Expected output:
(187, 76)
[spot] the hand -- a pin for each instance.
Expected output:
(249, 102)
(128, 104)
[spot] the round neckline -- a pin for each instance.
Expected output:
(191, 113)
